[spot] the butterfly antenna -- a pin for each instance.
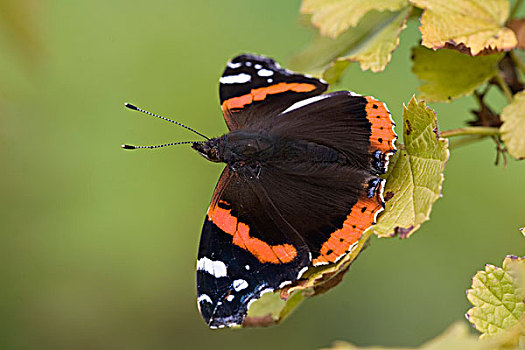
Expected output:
(135, 108)
(159, 146)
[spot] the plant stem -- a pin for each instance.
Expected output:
(471, 130)
(515, 9)
(465, 141)
(504, 87)
(517, 61)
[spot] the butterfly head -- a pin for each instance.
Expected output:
(210, 149)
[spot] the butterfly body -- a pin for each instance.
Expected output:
(255, 150)
(299, 187)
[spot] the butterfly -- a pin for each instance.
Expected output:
(300, 186)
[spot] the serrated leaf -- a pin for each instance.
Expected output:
(377, 52)
(513, 128)
(515, 266)
(415, 173)
(456, 337)
(335, 16)
(274, 307)
(374, 53)
(371, 42)
(448, 74)
(497, 296)
(477, 24)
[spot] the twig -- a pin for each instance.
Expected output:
(500, 151)
(466, 141)
(504, 87)
(472, 130)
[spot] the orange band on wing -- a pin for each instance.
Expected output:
(382, 135)
(360, 218)
(261, 93)
(264, 252)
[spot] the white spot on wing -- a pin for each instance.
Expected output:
(247, 267)
(235, 79)
(257, 66)
(215, 268)
(270, 80)
(304, 103)
(265, 73)
(285, 283)
(248, 64)
(303, 270)
(239, 285)
(233, 65)
(204, 297)
(230, 297)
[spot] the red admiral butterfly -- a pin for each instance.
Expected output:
(299, 188)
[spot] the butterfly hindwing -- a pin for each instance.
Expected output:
(254, 87)
(246, 250)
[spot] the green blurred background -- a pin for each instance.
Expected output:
(98, 244)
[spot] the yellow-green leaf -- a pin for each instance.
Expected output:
(457, 337)
(335, 16)
(375, 53)
(477, 24)
(497, 295)
(415, 173)
(371, 43)
(332, 74)
(449, 74)
(513, 128)
(271, 309)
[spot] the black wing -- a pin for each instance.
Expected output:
(331, 199)
(255, 87)
(247, 248)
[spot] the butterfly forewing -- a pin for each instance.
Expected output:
(254, 87)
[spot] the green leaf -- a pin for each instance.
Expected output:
(371, 42)
(271, 309)
(457, 337)
(513, 128)
(415, 173)
(274, 307)
(479, 25)
(449, 74)
(497, 295)
(332, 74)
(335, 16)
(377, 52)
